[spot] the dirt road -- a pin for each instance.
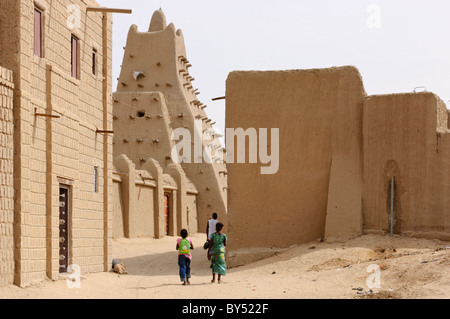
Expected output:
(409, 268)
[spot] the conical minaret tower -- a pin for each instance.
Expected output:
(156, 95)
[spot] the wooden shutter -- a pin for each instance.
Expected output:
(75, 57)
(38, 33)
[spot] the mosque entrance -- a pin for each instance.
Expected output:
(167, 214)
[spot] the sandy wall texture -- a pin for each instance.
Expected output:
(6, 178)
(338, 150)
(407, 136)
(140, 208)
(319, 114)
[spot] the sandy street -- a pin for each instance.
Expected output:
(410, 268)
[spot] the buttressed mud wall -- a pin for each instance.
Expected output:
(407, 136)
(155, 96)
(338, 152)
(319, 115)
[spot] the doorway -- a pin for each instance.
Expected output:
(167, 214)
(64, 211)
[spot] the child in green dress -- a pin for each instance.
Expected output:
(218, 242)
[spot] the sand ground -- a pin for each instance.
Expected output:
(410, 268)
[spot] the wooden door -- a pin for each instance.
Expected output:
(167, 213)
(63, 229)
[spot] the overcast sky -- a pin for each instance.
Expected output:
(397, 45)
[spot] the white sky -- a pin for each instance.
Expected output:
(409, 49)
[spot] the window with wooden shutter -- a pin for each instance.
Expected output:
(75, 57)
(38, 32)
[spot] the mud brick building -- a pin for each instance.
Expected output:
(60, 84)
(340, 152)
(6, 177)
(156, 95)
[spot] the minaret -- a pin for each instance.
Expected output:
(155, 63)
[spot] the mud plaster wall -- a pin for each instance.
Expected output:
(160, 53)
(192, 214)
(319, 114)
(6, 178)
(150, 138)
(9, 33)
(141, 127)
(118, 216)
(144, 210)
(448, 122)
(406, 135)
(338, 150)
(139, 203)
(50, 152)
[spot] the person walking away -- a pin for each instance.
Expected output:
(211, 229)
(184, 247)
(211, 226)
(218, 242)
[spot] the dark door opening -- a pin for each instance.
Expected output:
(63, 229)
(167, 214)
